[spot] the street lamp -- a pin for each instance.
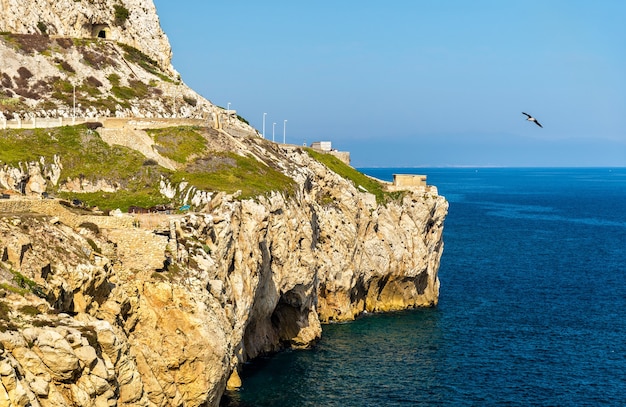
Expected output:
(264, 114)
(284, 130)
(74, 109)
(273, 130)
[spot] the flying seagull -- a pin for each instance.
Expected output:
(532, 119)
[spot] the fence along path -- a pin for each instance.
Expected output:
(107, 122)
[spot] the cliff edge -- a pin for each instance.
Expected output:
(223, 251)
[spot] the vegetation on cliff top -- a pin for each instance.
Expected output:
(57, 90)
(178, 143)
(357, 178)
(86, 157)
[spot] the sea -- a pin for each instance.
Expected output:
(532, 306)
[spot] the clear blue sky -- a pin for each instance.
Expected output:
(417, 82)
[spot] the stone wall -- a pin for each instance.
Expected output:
(409, 180)
(344, 156)
(52, 208)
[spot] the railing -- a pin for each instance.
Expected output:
(113, 122)
(43, 123)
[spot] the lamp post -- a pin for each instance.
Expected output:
(273, 130)
(284, 131)
(74, 104)
(264, 114)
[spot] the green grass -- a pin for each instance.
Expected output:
(121, 14)
(4, 311)
(230, 172)
(82, 152)
(135, 56)
(13, 289)
(357, 178)
(29, 310)
(178, 143)
(26, 283)
(122, 199)
(9, 101)
(84, 155)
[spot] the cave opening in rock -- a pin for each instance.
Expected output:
(101, 31)
(285, 322)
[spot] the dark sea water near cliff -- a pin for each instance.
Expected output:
(531, 308)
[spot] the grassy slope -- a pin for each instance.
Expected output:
(357, 178)
(84, 155)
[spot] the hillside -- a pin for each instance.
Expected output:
(236, 246)
(43, 76)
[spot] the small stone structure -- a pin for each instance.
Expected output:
(325, 146)
(403, 182)
(409, 180)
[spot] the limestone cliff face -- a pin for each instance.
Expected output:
(99, 59)
(162, 310)
(133, 22)
(103, 321)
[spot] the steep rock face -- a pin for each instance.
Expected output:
(244, 278)
(102, 310)
(133, 22)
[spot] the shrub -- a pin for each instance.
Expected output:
(31, 43)
(43, 28)
(96, 58)
(93, 81)
(29, 310)
(28, 93)
(114, 79)
(123, 92)
(24, 282)
(47, 105)
(90, 226)
(94, 246)
(65, 43)
(121, 14)
(190, 100)
(4, 311)
(24, 73)
(5, 80)
(135, 56)
(241, 119)
(64, 65)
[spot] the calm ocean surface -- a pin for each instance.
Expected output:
(531, 308)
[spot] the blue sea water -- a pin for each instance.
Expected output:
(530, 312)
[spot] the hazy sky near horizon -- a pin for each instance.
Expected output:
(412, 83)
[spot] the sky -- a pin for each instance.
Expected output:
(416, 83)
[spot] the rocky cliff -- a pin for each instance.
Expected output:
(97, 59)
(132, 22)
(162, 308)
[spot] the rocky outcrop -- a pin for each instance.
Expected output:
(136, 317)
(132, 22)
(30, 178)
(92, 60)
(163, 310)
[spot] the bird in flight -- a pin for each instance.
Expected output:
(532, 119)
